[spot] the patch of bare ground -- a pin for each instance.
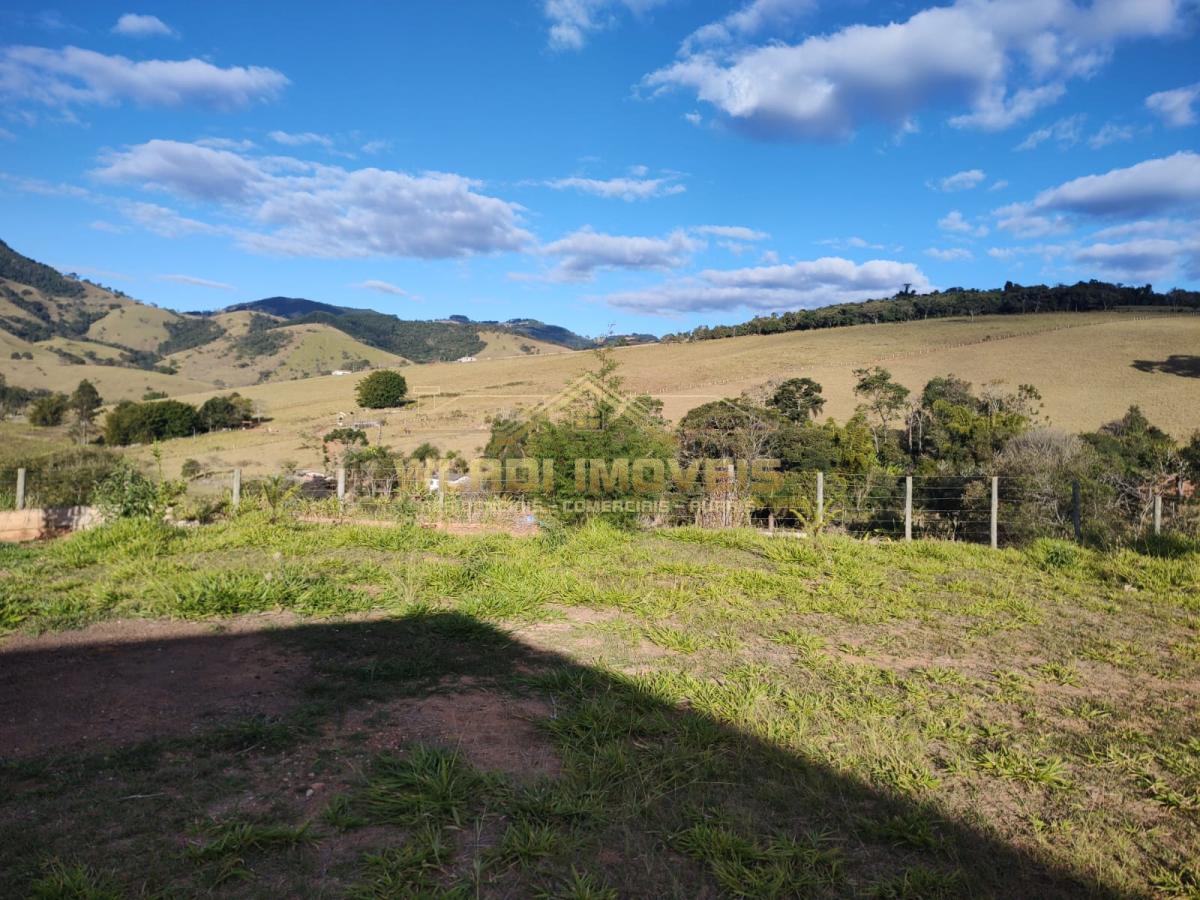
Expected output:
(495, 732)
(118, 683)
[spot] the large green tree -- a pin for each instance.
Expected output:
(383, 389)
(798, 399)
(85, 402)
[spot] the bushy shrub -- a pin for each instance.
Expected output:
(126, 494)
(143, 423)
(382, 390)
(49, 410)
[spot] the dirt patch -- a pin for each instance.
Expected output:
(122, 682)
(495, 732)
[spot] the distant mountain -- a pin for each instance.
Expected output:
(289, 307)
(36, 275)
(534, 328)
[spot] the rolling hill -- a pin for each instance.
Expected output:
(1090, 367)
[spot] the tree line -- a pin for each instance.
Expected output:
(906, 306)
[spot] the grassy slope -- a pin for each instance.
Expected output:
(136, 326)
(502, 344)
(724, 711)
(313, 349)
(1080, 362)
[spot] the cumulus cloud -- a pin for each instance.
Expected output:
(961, 181)
(1144, 259)
(585, 251)
(954, 223)
(950, 254)
(1064, 132)
(1176, 107)
(381, 287)
(772, 288)
(1001, 60)
(627, 189)
(197, 282)
(1148, 188)
(73, 76)
(573, 21)
(140, 26)
(293, 207)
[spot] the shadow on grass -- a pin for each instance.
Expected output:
(653, 798)
(1180, 364)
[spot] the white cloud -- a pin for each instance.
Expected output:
(293, 207)
(1145, 259)
(854, 243)
(585, 251)
(166, 222)
(1148, 188)
(751, 19)
(951, 254)
(1149, 228)
(954, 223)
(377, 146)
(573, 21)
(197, 282)
(1064, 132)
(139, 26)
(1110, 133)
(961, 181)
(998, 185)
(627, 189)
(693, 118)
(1175, 107)
(733, 232)
(1001, 60)
(777, 287)
(381, 287)
(73, 76)
(301, 139)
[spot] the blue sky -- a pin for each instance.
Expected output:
(645, 165)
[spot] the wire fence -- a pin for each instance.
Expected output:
(974, 508)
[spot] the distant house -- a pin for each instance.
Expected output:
(466, 359)
(340, 372)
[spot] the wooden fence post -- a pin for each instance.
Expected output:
(1157, 514)
(1076, 511)
(995, 512)
(237, 488)
(908, 507)
(341, 486)
(820, 498)
(20, 500)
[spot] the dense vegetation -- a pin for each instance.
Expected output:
(418, 341)
(188, 332)
(37, 275)
(906, 306)
(144, 423)
(260, 339)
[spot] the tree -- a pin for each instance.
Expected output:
(382, 390)
(85, 402)
(798, 399)
(229, 411)
(49, 410)
(883, 397)
(142, 423)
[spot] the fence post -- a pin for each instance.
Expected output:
(820, 498)
(908, 507)
(237, 488)
(1076, 514)
(20, 500)
(771, 521)
(1157, 514)
(341, 486)
(995, 512)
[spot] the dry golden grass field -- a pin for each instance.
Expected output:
(1082, 363)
